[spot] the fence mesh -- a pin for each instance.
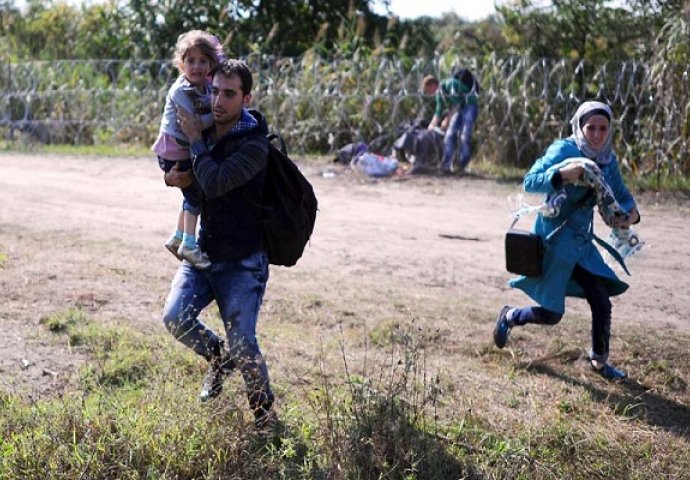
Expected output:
(319, 105)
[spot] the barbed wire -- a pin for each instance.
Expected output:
(318, 104)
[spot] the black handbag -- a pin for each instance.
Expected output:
(524, 252)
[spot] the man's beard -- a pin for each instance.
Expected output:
(226, 120)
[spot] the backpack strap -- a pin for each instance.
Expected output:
(282, 146)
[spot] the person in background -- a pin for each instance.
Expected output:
(196, 53)
(423, 148)
(429, 86)
(229, 161)
(572, 265)
(456, 98)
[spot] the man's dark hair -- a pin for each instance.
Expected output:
(465, 76)
(230, 67)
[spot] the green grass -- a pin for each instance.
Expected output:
(498, 171)
(102, 150)
(131, 412)
(663, 182)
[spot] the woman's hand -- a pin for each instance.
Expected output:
(571, 172)
(626, 220)
(633, 218)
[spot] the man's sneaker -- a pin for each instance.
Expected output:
(173, 244)
(194, 256)
(213, 383)
(218, 369)
(502, 329)
(265, 420)
(608, 371)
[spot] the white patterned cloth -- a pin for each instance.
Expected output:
(623, 239)
(610, 210)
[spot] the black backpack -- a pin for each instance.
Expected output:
(289, 207)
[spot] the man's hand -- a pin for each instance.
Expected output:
(176, 178)
(189, 123)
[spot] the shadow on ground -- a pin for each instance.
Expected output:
(637, 401)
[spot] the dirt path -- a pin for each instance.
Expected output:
(88, 232)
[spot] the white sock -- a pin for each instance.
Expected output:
(509, 317)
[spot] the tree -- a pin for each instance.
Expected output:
(44, 32)
(279, 27)
(100, 33)
(470, 39)
(584, 29)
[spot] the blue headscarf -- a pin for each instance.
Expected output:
(586, 110)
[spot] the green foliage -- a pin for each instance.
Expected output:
(65, 322)
(45, 32)
(101, 149)
(140, 29)
(660, 180)
(672, 40)
(582, 29)
(591, 29)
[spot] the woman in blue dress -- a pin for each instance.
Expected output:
(572, 265)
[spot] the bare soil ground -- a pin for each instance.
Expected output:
(425, 252)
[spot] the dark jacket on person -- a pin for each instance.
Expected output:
(425, 145)
(231, 175)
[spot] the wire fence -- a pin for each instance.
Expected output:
(319, 105)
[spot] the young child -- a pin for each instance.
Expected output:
(196, 53)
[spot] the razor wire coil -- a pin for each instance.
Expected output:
(319, 104)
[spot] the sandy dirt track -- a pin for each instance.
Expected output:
(88, 232)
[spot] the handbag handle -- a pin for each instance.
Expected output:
(551, 234)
